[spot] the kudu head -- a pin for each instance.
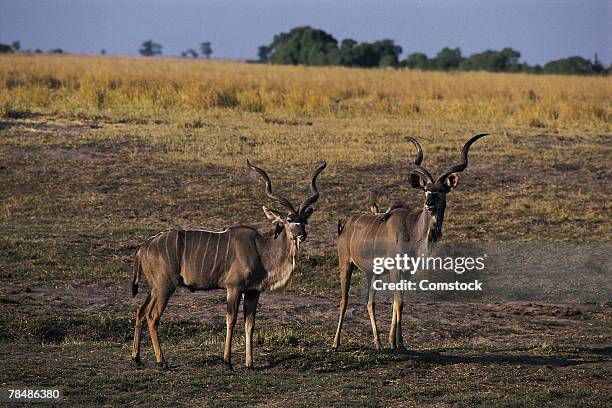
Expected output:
(293, 221)
(436, 190)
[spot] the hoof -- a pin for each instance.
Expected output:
(228, 366)
(137, 362)
(163, 366)
(250, 367)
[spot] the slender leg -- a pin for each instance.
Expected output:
(140, 316)
(159, 300)
(346, 271)
(392, 339)
(393, 328)
(233, 304)
(395, 333)
(399, 302)
(398, 299)
(250, 308)
(371, 311)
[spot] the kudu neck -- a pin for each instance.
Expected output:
(430, 225)
(278, 247)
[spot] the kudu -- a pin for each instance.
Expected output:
(239, 259)
(364, 236)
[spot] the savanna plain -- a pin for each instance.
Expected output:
(98, 153)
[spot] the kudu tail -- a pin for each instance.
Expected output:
(136, 271)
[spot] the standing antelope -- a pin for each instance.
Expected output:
(369, 235)
(239, 259)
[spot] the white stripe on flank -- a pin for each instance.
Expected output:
(216, 253)
(376, 237)
(166, 246)
(366, 233)
(156, 252)
(229, 237)
(184, 248)
(204, 257)
(194, 255)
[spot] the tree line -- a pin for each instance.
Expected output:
(148, 48)
(311, 46)
(15, 46)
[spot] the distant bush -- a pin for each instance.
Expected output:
(150, 49)
(506, 60)
(4, 48)
(418, 60)
(15, 46)
(573, 65)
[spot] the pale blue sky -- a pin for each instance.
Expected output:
(541, 29)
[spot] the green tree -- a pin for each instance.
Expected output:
(417, 60)
(189, 53)
(511, 56)
(206, 49)
(388, 53)
(345, 53)
(365, 55)
(262, 53)
(315, 47)
(302, 45)
(150, 49)
(5, 49)
(16, 45)
(494, 61)
(382, 53)
(571, 65)
(310, 46)
(598, 67)
(282, 48)
(448, 58)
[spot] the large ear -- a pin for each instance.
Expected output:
(417, 181)
(451, 181)
(274, 216)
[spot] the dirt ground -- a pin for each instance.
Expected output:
(457, 354)
(78, 197)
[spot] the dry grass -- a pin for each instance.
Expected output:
(136, 89)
